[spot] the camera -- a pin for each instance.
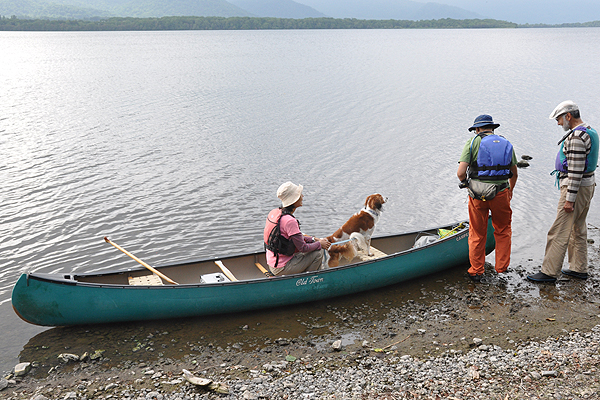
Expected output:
(463, 184)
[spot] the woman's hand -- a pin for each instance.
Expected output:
(324, 243)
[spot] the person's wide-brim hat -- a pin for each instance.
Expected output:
(484, 120)
(289, 193)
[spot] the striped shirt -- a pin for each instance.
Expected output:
(576, 148)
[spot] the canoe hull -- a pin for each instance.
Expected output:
(45, 300)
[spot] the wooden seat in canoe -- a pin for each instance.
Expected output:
(145, 280)
(376, 254)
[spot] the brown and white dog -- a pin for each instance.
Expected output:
(359, 229)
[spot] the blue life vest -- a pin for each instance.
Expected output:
(494, 158)
(591, 160)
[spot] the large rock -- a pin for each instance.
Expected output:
(22, 369)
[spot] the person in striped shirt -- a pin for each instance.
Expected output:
(575, 165)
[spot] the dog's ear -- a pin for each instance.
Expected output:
(371, 201)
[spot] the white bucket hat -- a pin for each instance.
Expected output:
(289, 193)
(563, 108)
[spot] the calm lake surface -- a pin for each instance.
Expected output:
(174, 143)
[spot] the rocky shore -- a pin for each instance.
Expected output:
(504, 338)
(556, 368)
(450, 350)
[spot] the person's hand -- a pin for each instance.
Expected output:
(324, 243)
(510, 193)
(568, 207)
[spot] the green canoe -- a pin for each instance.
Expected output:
(203, 287)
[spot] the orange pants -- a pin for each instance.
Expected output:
(478, 221)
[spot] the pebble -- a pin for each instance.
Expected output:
(550, 373)
(67, 357)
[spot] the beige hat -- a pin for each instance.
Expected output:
(563, 108)
(289, 193)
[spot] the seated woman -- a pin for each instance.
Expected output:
(288, 250)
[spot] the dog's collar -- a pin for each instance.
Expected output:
(372, 212)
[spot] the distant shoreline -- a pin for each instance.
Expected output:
(14, 23)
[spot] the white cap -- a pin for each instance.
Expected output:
(563, 108)
(289, 193)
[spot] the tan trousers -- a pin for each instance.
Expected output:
(569, 233)
(299, 263)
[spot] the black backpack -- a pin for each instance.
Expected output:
(277, 243)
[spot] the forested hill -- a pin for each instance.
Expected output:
(239, 23)
(95, 9)
(299, 9)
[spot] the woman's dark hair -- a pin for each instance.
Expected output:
(288, 210)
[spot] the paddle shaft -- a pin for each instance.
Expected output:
(263, 269)
(163, 276)
(225, 270)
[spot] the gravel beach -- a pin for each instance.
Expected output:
(505, 338)
(561, 366)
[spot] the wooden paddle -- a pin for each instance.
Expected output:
(163, 276)
(268, 274)
(225, 270)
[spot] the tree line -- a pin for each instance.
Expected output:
(239, 23)
(591, 24)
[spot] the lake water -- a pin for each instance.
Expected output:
(174, 143)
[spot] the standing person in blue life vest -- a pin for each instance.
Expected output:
(488, 168)
(575, 164)
(289, 251)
